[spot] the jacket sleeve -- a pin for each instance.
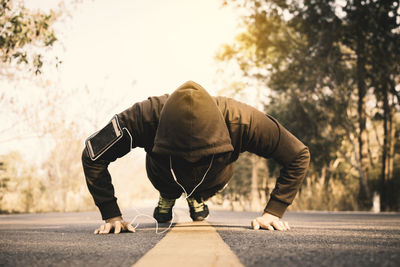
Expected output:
(141, 121)
(98, 178)
(269, 139)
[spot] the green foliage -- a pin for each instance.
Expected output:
(20, 30)
(315, 56)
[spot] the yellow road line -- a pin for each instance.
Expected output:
(190, 244)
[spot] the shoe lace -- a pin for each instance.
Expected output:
(195, 205)
(165, 205)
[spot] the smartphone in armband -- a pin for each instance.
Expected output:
(101, 141)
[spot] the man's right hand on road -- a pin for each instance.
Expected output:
(117, 224)
(269, 222)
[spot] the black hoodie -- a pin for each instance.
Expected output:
(190, 123)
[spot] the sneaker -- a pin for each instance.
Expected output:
(163, 212)
(198, 210)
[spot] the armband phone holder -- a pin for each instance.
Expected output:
(101, 141)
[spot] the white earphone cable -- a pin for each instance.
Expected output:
(176, 180)
(145, 215)
(142, 214)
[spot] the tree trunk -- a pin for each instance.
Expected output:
(389, 169)
(254, 194)
(364, 198)
(391, 143)
(264, 191)
(385, 150)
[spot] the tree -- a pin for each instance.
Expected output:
(384, 41)
(285, 56)
(315, 57)
(355, 37)
(20, 32)
(57, 185)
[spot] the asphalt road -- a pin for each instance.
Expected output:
(316, 239)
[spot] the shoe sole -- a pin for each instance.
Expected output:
(202, 219)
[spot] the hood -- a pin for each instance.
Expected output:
(191, 125)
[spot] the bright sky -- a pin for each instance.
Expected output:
(158, 44)
(127, 50)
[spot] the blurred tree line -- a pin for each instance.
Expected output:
(35, 108)
(332, 70)
(57, 184)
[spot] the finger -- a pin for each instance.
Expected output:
(97, 231)
(130, 227)
(255, 225)
(286, 225)
(264, 225)
(106, 228)
(283, 226)
(117, 227)
(277, 225)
